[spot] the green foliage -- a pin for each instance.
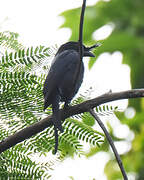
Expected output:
(88, 119)
(9, 40)
(21, 102)
(16, 163)
(83, 131)
(24, 58)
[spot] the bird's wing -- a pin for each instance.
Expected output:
(61, 64)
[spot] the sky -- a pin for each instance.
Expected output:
(37, 23)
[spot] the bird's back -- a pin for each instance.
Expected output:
(69, 86)
(61, 76)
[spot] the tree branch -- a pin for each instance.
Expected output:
(110, 142)
(70, 111)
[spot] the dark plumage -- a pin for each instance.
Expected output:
(58, 86)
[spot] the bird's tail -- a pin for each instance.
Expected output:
(56, 140)
(56, 120)
(56, 116)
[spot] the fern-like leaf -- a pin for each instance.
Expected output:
(105, 110)
(23, 57)
(9, 40)
(83, 132)
(16, 163)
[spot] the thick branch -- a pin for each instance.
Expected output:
(70, 111)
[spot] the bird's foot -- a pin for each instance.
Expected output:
(66, 105)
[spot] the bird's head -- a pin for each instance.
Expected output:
(75, 46)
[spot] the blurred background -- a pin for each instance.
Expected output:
(119, 65)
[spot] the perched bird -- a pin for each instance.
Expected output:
(59, 86)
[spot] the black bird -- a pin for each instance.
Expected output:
(58, 86)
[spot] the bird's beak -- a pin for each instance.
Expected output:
(88, 52)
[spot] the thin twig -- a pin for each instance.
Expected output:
(110, 142)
